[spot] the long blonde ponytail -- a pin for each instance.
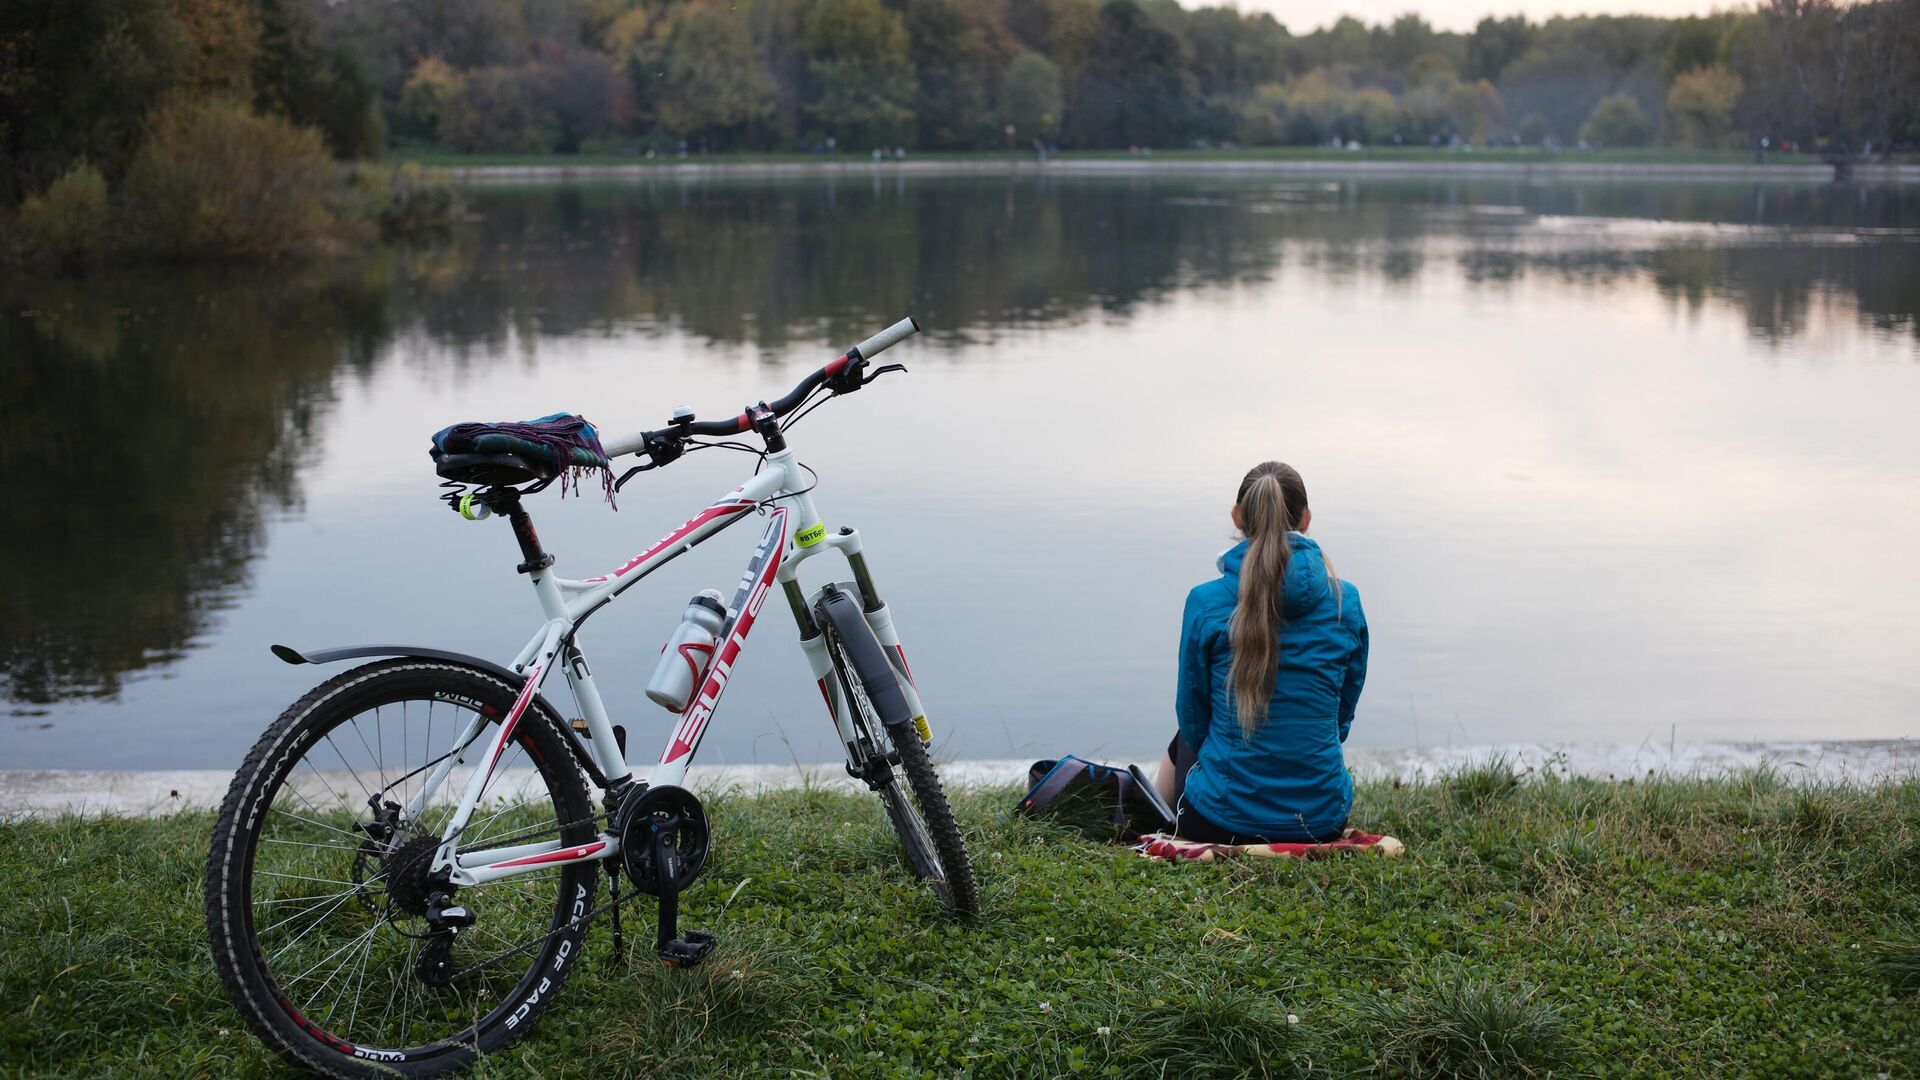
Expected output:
(1271, 499)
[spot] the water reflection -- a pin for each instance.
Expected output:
(155, 424)
(150, 423)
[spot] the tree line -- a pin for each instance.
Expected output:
(138, 103)
(570, 75)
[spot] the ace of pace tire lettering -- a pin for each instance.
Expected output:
(403, 872)
(547, 982)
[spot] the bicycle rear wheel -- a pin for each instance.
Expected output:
(319, 883)
(916, 803)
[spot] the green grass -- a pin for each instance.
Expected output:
(1483, 783)
(1541, 927)
(1410, 154)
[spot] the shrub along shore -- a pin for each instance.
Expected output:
(216, 179)
(1537, 926)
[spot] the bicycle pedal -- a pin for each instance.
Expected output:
(688, 951)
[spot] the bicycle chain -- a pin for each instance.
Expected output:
(517, 838)
(582, 920)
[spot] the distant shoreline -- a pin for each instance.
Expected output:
(1484, 165)
(45, 793)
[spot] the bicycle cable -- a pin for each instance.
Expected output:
(796, 494)
(812, 401)
(408, 776)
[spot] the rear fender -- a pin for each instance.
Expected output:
(513, 679)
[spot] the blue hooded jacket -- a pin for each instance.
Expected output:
(1289, 781)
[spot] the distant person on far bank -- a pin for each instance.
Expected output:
(1273, 653)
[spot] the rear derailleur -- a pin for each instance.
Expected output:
(413, 889)
(445, 920)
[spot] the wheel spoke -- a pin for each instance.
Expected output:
(336, 885)
(302, 877)
(324, 782)
(302, 796)
(343, 760)
(336, 899)
(304, 844)
(297, 938)
(315, 996)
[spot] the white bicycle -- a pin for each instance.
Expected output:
(405, 867)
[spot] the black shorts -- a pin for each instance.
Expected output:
(1191, 826)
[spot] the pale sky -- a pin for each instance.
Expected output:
(1301, 16)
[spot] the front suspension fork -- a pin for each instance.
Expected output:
(879, 619)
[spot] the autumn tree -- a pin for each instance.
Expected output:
(1700, 107)
(1231, 53)
(316, 83)
(1409, 36)
(1692, 43)
(499, 111)
(1617, 121)
(77, 81)
(859, 63)
(1060, 30)
(1494, 44)
(1475, 108)
(424, 99)
(712, 87)
(1032, 96)
(960, 51)
(1134, 90)
(225, 37)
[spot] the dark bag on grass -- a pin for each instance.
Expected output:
(1107, 802)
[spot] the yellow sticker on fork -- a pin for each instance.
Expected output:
(809, 537)
(925, 729)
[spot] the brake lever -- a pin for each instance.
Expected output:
(882, 370)
(631, 473)
(660, 450)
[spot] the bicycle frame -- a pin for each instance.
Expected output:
(794, 534)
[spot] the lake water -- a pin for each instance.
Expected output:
(1609, 462)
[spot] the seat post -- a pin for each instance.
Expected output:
(534, 557)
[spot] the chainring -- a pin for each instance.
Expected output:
(675, 817)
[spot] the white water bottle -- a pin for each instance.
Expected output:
(686, 655)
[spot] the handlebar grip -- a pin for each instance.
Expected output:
(626, 444)
(885, 339)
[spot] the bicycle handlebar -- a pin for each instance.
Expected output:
(640, 441)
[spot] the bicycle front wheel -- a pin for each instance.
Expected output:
(894, 758)
(319, 881)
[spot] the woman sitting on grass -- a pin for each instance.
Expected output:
(1272, 656)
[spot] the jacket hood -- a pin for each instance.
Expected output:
(1307, 586)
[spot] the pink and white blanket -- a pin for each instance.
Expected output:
(1174, 849)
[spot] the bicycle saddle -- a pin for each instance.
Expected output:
(515, 453)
